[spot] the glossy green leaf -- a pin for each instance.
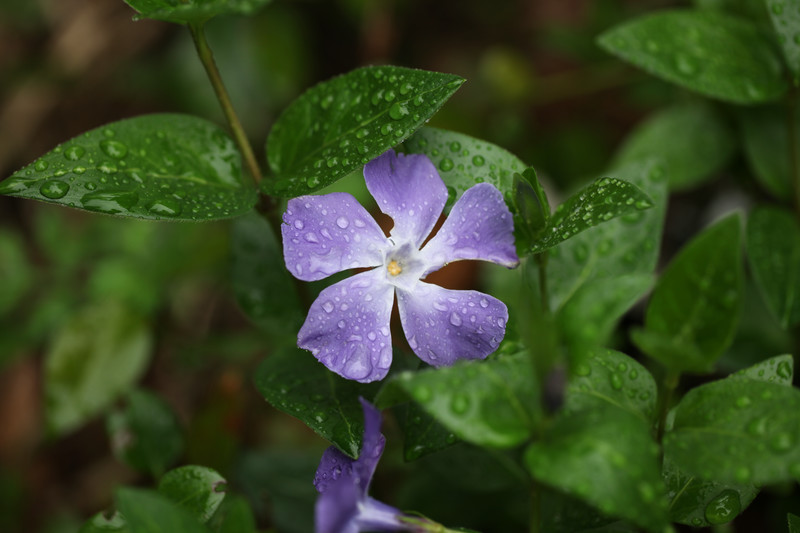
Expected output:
(198, 489)
(193, 11)
(692, 139)
(773, 250)
(146, 511)
(164, 167)
(778, 370)
(713, 53)
(606, 457)
(608, 376)
(260, 281)
(765, 138)
(97, 355)
(294, 382)
(737, 430)
(694, 309)
(794, 523)
(339, 125)
(15, 271)
(146, 434)
(423, 434)
(463, 161)
(785, 15)
(489, 403)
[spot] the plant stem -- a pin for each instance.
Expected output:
(791, 101)
(541, 262)
(668, 389)
(207, 58)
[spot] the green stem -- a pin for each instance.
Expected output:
(671, 380)
(793, 156)
(207, 58)
(541, 262)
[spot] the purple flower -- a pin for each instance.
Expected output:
(347, 327)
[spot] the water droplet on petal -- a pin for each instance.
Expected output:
(327, 307)
(298, 224)
(455, 319)
(342, 222)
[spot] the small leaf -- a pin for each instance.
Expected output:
(164, 167)
(692, 139)
(778, 370)
(607, 376)
(596, 203)
(15, 272)
(773, 248)
(198, 489)
(145, 435)
(193, 11)
(464, 161)
(715, 54)
(489, 403)
(423, 434)
(531, 208)
(766, 144)
(339, 125)
(146, 511)
(95, 357)
(785, 15)
(606, 457)
(297, 384)
(737, 430)
(694, 309)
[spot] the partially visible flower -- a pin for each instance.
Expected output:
(347, 327)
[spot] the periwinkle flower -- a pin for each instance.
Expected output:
(347, 327)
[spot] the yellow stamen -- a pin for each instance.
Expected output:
(394, 268)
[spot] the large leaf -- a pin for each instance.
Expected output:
(96, 357)
(785, 15)
(694, 309)
(339, 125)
(692, 139)
(165, 167)
(193, 11)
(297, 384)
(489, 403)
(198, 489)
(606, 457)
(773, 248)
(715, 54)
(464, 161)
(765, 135)
(146, 511)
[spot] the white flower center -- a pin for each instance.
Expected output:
(403, 266)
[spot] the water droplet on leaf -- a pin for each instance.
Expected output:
(54, 189)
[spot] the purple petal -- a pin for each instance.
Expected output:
(479, 226)
(371, 447)
(336, 510)
(408, 189)
(347, 327)
(443, 326)
(323, 235)
(334, 466)
(377, 516)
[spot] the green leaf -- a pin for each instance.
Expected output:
(15, 272)
(99, 523)
(294, 382)
(794, 523)
(164, 167)
(423, 434)
(715, 54)
(773, 248)
(464, 161)
(235, 516)
(97, 355)
(778, 370)
(531, 208)
(489, 403)
(785, 15)
(607, 376)
(596, 203)
(694, 309)
(606, 457)
(198, 489)
(146, 511)
(693, 140)
(193, 11)
(146, 434)
(766, 144)
(260, 281)
(339, 125)
(737, 430)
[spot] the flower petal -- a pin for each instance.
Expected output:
(323, 235)
(347, 327)
(443, 326)
(408, 189)
(479, 226)
(336, 510)
(371, 447)
(333, 466)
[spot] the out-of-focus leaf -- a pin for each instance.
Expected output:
(15, 272)
(785, 15)
(234, 516)
(766, 144)
(794, 523)
(193, 11)
(778, 370)
(146, 511)
(198, 489)
(99, 523)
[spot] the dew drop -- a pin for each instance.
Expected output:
(685, 65)
(166, 207)
(110, 202)
(73, 153)
(398, 111)
(723, 508)
(455, 319)
(459, 404)
(298, 224)
(113, 148)
(342, 222)
(41, 165)
(478, 161)
(328, 307)
(54, 189)
(422, 393)
(784, 370)
(446, 164)
(583, 370)
(616, 381)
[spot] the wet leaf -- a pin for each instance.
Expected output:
(339, 125)
(163, 167)
(147, 511)
(198, 489)
(715, 54)
(785, 15)
(778, 370)
(766, 144)
(193, 11)
(531, 209)
(423, 434)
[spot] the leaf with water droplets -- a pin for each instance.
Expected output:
(193, 11)
(198, 489)
(339, 125)
(692, 139)
(778, 370)
(147, 511)
(463, 161)
(297, 384)
(422, 433)
(489, 403)
(713, 53)
(773, 250)
(98, 354)
(737, 430)
(162, 167)
(606, 457)
(694, 310)
(598, 202)
(145, 434)
(785, 15)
